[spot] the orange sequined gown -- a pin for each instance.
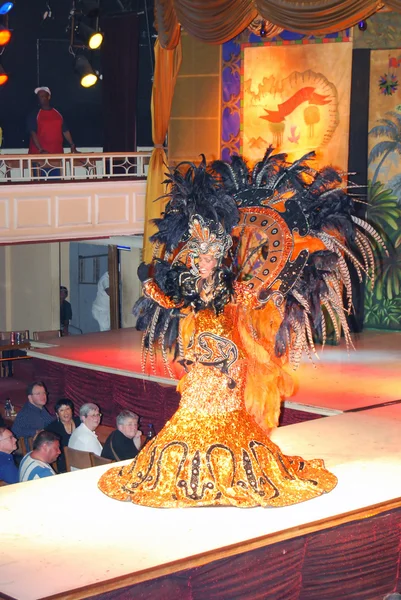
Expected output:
(212, 452)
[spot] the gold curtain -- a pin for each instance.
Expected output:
(167, 65)
(216, 21)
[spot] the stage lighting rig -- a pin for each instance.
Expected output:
(84, 25)
(91, 38)
(5, 7)
(3, 76)
(5, 35)
(84, 69)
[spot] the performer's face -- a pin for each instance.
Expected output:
(207, 263)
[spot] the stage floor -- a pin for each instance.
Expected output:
(73, 536)
(336, 382)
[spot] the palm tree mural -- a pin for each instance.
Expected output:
(390, 128)
(383, 302)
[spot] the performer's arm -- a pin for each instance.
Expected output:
(152, 290)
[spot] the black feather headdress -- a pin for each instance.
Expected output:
(194, 191)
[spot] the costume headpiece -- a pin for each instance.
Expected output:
(203, 240)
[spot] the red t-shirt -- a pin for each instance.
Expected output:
(49, 127)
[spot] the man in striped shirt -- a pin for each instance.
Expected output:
(36, 464)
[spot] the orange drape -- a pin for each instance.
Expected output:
(216, 21)
(167, 64)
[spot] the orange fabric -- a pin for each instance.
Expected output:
(167, 65)
(216, 21)
(308, 242)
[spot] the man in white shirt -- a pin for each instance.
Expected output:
(84, 437)
(101, 304)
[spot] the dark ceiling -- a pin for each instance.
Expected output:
(38, 54)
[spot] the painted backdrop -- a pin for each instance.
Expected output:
(297, 98)
(383, 302)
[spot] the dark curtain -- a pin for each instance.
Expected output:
(358, 162)
(154, 403)
(120, 82)
(356, 561)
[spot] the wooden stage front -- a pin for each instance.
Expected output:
(62, 538)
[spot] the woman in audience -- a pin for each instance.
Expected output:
(125, 441)
(63, 426)
(84, 437)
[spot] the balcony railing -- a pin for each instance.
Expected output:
(39, 168)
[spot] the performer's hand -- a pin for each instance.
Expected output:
(143, 272)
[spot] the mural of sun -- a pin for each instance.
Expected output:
(293, 108)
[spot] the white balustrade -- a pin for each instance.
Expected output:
(38, 168)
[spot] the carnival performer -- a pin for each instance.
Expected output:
(247, 267)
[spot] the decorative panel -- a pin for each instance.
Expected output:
(111, 208)
(4, 214)
(32, 212)
(139, 208)
(73, 210)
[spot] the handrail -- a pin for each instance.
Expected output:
(72, 166)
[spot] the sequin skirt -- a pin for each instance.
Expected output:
(216, 459)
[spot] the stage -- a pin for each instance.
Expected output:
(335, 382)
(74, 542)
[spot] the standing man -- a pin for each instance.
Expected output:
(8, 445)
(101, 304)
(36, 464)
(65, 310)
(47, 127)
(33, 416)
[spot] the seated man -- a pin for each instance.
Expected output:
(36, 464)
(33, 416)
(84, 437)
(125, 441)
(8, 444)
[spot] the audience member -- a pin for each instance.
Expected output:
(125, 441)
(63, 427)
(36, 464)
(65, 311)
(8, 444)
(84, 437)
(33, 416)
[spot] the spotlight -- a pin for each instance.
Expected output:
(84, 69)
(5, 7)
(3, 76)
(362, 25)
(93, 39)
(5, 35)
(263, 32)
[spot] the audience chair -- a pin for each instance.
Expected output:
(76, 459)
(99, 460)
(41, 336)
(25, 445)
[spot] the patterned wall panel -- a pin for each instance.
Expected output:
(73, 210)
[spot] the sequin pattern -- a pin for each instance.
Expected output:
(212, 452)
